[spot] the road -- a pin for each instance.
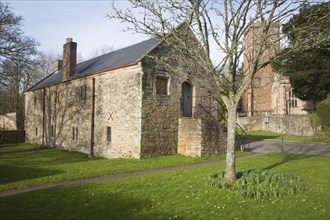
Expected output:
(269, 146)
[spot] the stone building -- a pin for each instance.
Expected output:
(270, 93)
(124, 104)
(8, 121)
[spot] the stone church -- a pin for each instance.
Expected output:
(125, 104)
(270, 93)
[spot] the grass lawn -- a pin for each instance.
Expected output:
(25, 165)
(262, 135)
(181, 195)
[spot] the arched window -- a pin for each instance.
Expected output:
(292, 99)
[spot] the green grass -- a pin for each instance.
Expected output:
(262, 135)
(181, 194)
(25, 165)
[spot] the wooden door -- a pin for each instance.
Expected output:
(186, 100)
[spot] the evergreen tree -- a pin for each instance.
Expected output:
(306, 60)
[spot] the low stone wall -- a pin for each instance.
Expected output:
(250, 123)
(278, 124)
(8, 121)
(190, 137)
(198, 137)
(9, 137)
(214, 138)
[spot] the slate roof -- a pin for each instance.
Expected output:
(125, 56)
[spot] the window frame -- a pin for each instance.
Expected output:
(109, 134)
(75, 135)
(35, 101)
(82, 90)
(293, 100)
(168, 80)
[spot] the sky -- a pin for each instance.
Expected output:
(51, 22)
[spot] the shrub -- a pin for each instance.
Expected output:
(259, 184)
(323, 111)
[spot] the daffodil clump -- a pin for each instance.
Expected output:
(259, 184)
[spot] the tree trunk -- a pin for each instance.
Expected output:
(230, 174)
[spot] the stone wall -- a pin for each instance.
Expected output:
(34, 117)
(289, 125)
(160, 112)
(214, 138)
(278, 124)
(118, 105)
(9, 137)
(61, 115)
(199, 137)
(8, 121)
(137, 108)
(250, 123)
(190, 137)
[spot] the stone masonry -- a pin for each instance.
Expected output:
(270, 93)
(135, 110)
(68, 116)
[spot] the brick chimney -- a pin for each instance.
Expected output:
(58, 64)
(69, 59)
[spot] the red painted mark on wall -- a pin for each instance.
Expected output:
(110, 116)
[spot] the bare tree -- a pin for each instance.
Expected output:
(220, 27)
(17, 63)
(16, 77)
(45, 63)
(14, 45)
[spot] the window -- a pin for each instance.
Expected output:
(55, 100)
(74, 133)
(35, 101)
(108, 134)
(293, 102)
(82, 92)
(186, 99)
(162, 85)
(36, 131)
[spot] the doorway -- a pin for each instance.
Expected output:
(186, 99)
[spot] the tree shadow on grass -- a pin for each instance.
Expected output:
(11, 174)
(81, 203)
(287, 157)
(20, 150)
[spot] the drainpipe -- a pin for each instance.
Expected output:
(93, 117)
(43, 115)
(252, 101)
(252, 86)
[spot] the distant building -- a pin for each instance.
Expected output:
(8, 121)
(270, 92)
(124, 104)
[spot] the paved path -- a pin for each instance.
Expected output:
(269, 146)
(111, 177)
(257, 148)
